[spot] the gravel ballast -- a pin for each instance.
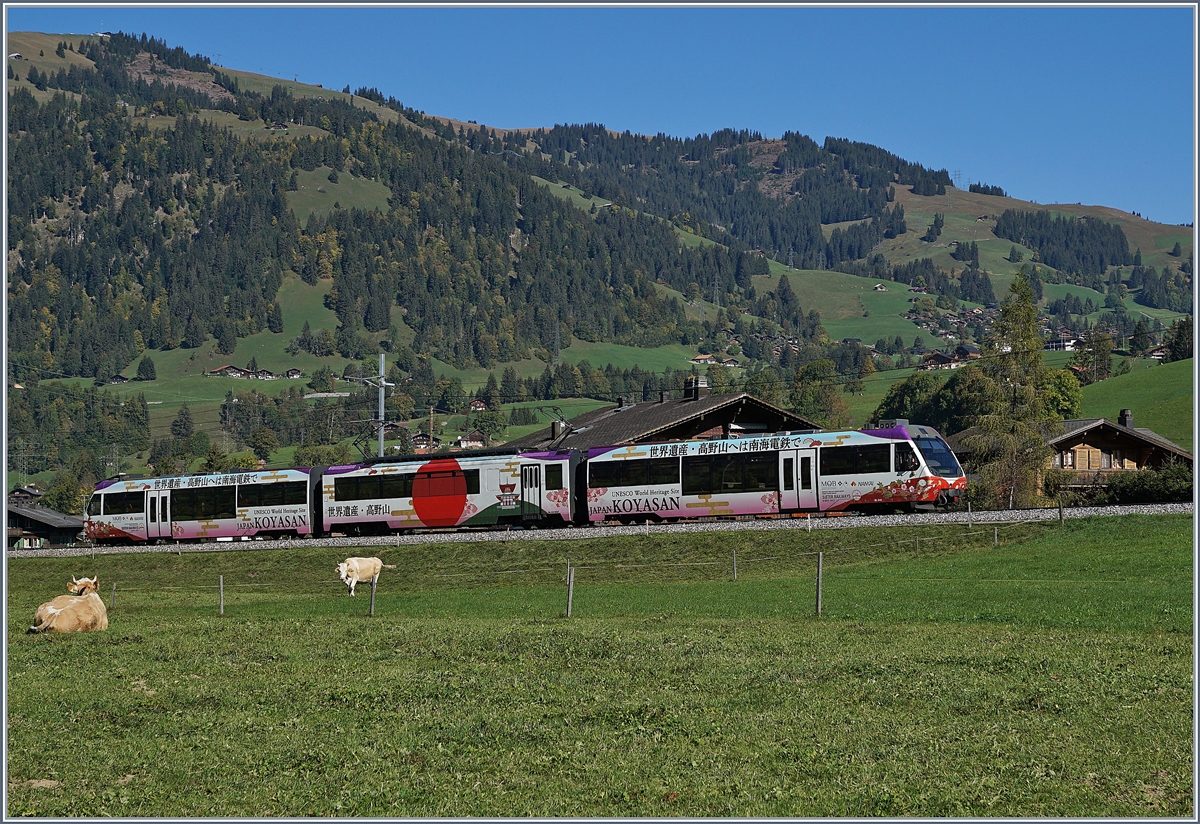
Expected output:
(584, 533)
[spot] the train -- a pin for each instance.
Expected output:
(901, 467)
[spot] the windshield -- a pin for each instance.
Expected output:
(939, 457)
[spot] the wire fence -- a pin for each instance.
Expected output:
(477, 573)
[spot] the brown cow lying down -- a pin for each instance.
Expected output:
(356, 570)
(81, 611)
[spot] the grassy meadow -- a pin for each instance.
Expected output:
(1048, 675)
(1161, 397)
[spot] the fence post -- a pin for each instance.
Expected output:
(735, 565)
(969, 524)
(820, 564)
(374, 580)
(1060, 511)
(112, 599)
(808, 521)
(221, 586)
(570, 588)
(917, 543)
(995, 536)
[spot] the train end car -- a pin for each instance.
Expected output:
(233, 505)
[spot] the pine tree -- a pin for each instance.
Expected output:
(145, 369)
(275, 318)
(1013, 419)
(181, 427)
(1139, 342)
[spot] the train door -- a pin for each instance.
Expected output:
(531, 492)
(806, 478)
(797, 479)
(158, 514)
(788, 496)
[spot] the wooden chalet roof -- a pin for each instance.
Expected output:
(1076, 426)
(663, 420)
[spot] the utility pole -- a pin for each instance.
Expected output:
(382, 420)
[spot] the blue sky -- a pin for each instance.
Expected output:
(1055, 105)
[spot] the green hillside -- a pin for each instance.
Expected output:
(458, 250)
(1162, 398)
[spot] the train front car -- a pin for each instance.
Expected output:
(484, 488)
(902, 466)
(233, 505)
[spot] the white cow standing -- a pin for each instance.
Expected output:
(358, 570)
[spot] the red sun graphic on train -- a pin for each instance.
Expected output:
(440, 492)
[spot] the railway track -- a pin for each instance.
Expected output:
(766, 525)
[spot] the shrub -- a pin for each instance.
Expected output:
(1170, 484)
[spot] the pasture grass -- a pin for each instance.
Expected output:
(316, 193)
(1162, 398)
(1048, 676)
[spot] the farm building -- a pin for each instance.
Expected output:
(34, 526)
(421, 442)
(472, 440)
(25, 495)
(697, 415)
(1093, 448)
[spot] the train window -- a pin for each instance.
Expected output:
(554, 476)
(396, 486)
(697, 475)
(352, 489)
(249, 495)
(153, 511)
(806, 473)
(205, 504)
(939, 457)
(279, 494)
(609, 474)
(789, 482)
(93, 507)
(604, 474)
(906, 459)
(295, 492)
(662, 471)
(450, 482)
(124, 503)
(837, 460)
(760, 471)
(727, 473)
(874, 458)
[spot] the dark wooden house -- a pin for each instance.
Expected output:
(38, 526)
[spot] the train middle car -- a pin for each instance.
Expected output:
(901, 467)
(484, 488)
